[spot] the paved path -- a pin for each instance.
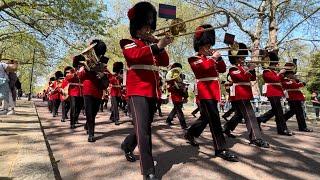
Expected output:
(294, 157)
(23, 151)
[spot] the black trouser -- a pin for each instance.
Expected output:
(159, 107)
(297, 109)
(103, 104)
(50, 105)
(243, 109)
(209, 114)
(65, 107)
(129, 108)
(114, 108)
(276, 110)
(196, 110)
(56, 104)
(177, 109)
(76, 103)
(229, 112)
(91, 105)
(143, 109)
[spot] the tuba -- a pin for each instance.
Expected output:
(91, 59)
(174, 77)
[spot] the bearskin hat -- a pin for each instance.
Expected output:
(274, 59)
(76, 60)
(142, 14)
(100, 48)
(117, 67)
(202, 37)
(104, 59)
(52, 79)
(290, 68)
(175, 65)
(58, 74)
(67, 69)
(241, 53)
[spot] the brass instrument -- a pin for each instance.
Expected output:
(91, 59)
(178, 26)
(92, 63)
(174, 76)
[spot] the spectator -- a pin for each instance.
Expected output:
(315, 103)
(12, 93)
(4, 84)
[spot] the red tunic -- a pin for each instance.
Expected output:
(204, 67)
(176, 96)
(293, 90)
(64, 84)
(91, 84)
(115, 85)
(274, 89)
(56, 91)
(241, 84)
(141, 82)
(75, 86)
(49, 91)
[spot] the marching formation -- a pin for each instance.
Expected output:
(137, 88)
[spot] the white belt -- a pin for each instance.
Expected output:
(289, 90)
(292, 89)
(145, 67)
(75, 84)
(209, 79)
(275, 84)
(233, 87)
(265, 86)
(241, 84)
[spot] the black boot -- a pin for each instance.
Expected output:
(117, 123)
(229, 134)
(191, 140)
(150, 177)
(260, 143)
(226, 155)
(306, 130)
(286, 133)
(169, 123)
(91, 139)
(128, 154)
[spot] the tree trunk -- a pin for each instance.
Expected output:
(273, 27)
(256, 43)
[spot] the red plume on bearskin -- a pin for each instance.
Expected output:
(203, 37)
(131, 13)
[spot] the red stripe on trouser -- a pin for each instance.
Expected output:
(208, 116)
(144, 144)
(247, 114)
(136, 128)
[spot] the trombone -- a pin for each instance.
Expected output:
(178, 26)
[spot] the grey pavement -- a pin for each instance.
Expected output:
(294, 157)
(23, 150)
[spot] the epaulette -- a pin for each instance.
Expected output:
(127, 43)
(193, 58)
